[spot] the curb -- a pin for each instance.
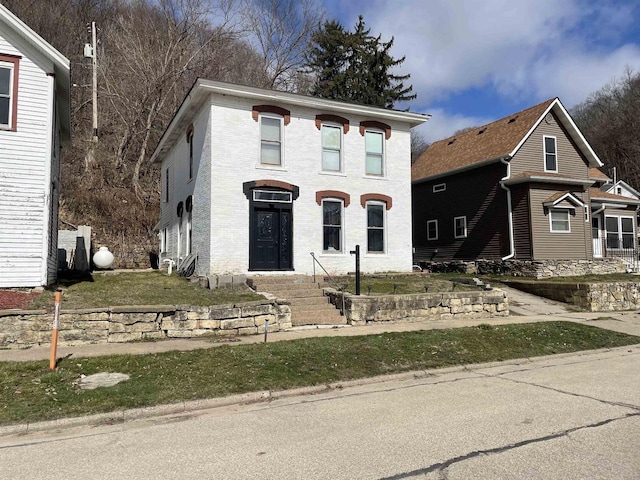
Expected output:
(266, 396)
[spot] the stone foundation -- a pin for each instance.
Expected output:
(529, 268)
(21, 328)
(363, 309)
(593, 297)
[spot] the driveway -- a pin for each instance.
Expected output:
(526, 304)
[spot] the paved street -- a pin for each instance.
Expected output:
(570, 417)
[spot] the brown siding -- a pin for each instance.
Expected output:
(521, 224)
(530, 157)
(560, 246)
(475, 194)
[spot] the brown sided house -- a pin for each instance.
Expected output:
(518, 188)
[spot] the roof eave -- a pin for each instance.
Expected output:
(461, 169)
(536, 178)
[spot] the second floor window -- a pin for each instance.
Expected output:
(331, 146)
(6, 93)
(270, 141)
(190, 141)
(550, 155)
(374, 153)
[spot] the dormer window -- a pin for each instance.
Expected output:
(550, 154)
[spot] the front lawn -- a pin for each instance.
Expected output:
(30, 392)
(139, 288)
(389, 284)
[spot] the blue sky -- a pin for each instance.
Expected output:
(474, 61)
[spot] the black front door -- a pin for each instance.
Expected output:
(270, 243)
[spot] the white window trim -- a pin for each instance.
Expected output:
(270, 166)
(384, 227)
(435, 222)
(342, 236)
(383, 173)
(586, 214)
(619, 232)
(440, 187)
(340, 129)
(166, 185)
(189, 233)
(567, 210)
(455, 226)
(544, 152)
(11, 67)
(163, 240)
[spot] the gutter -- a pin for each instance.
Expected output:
(512, 247)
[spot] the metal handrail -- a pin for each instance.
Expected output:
(335, 284)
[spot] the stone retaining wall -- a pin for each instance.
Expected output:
(531, 269)
(21, 328)
(362, 309)
(593, 297)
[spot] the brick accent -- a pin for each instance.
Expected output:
(248, 186)
(346, 198)
(374, 124)
(376, 196)
(332, 118)
(258, 109)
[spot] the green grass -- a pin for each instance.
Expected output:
(30, 392)
(139, 288)
(405, 284)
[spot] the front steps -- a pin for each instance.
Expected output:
(308, 305)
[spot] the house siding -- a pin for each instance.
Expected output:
(521, 222)
(530, 157)
(25, 172)
(475, 194)
(233, 159)
(549, 245)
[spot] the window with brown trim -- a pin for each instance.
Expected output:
(9, 67)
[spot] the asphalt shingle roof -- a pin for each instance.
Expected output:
(478, 144)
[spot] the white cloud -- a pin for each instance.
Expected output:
(526, 50)
(442, 124)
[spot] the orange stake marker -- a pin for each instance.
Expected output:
(54, 333)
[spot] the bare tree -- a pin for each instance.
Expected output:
(280, 30)
(418, 144)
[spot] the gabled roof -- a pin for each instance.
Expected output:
(61, 63)
(626, 186)
(559, 197)
(494, 142)
(605, 197)
(202, 88)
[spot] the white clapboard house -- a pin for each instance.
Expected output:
(34, 120)
(256, 180)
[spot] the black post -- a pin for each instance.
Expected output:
(356, 252)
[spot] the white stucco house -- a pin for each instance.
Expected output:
(34, 121)
(254, 181)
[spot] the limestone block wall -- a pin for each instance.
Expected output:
(21, 328)
(531, 269)
(362, 309)
(593, 297)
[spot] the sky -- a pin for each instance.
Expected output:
(475, 61)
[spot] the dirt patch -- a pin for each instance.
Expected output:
(10, 299)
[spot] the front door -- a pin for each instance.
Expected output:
(596, 235)
(270, 241)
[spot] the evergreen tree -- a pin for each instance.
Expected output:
(355, 66)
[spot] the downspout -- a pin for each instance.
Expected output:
(512, 247)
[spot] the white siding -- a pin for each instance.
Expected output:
(25, 170)
(235, 158)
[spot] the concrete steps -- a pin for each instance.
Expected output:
(308, 305)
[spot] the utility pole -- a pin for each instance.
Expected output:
(94, 61)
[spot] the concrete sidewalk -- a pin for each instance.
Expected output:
(625, 322)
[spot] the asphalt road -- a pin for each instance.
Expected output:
(568, 417)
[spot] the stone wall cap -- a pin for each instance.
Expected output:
(15, 313)
(253, 303)
(144, 308)
(83, 311)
